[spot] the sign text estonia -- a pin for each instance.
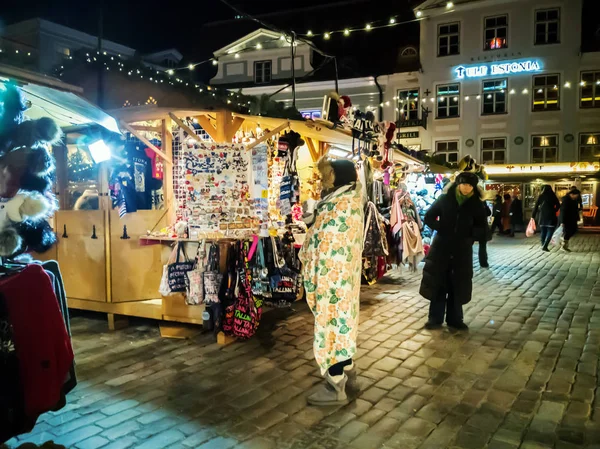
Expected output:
(497, 69)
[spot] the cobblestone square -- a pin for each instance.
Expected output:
(524, 376)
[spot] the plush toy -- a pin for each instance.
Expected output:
(181, 228)
(25, 169)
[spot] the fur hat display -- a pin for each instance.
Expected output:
(26, 201)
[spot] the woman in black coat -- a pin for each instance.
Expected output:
(547, 206)
(569, 215)
(459, 218)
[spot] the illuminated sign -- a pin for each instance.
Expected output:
(505, 68)
(311, 114)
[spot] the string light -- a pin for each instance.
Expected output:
(258, 46)
(419, 13)
(215, 62)
(170, 72)
(346, 32)
(582, 84)
(309, 33)
(392, 20)
(326, 36)
(512, 91)
(237, 56)
(525, 91)
(368, 27)
(467, 98)
(191, 66)
(449, 5)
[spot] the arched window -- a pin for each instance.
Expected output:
(408, 52)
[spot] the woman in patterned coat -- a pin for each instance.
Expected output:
(331, 259)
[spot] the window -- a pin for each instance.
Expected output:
(64, 51)
(589, 147)
(409, 52)
(262, 72)
(494, 97)
(408, 104)
(546, 92)
(589, 90)
(544, 148)
(446, 152)
(547, 26)
(493, 150)
(496, 33)
(449, 39)
(448, 101)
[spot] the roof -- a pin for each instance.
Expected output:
(267, 38)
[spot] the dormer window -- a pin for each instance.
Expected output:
(262, 72)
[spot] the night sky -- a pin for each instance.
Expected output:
(198, 28)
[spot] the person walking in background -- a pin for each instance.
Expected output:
(579, 199)
(505, 214)
(459, 219)
(331, 262)
(547, 206)
(516, 215)
(569, 216)
(483, 256)
(497, 221)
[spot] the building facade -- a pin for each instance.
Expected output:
(506, 82)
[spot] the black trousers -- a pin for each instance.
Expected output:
(483, 256)
(447, 305)
(570, 231)
(497, 223)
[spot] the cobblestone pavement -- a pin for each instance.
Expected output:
(525, 376)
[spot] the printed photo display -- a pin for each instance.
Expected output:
(219, 197)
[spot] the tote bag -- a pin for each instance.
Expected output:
(555, 240)
(530, 232)
(164, 288)
(178, 270)
(195, 278)
(283, 280)
(247, 311)
(212, 277)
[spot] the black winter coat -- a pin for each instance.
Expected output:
(547, 206)
(569, 212)
(452, 248)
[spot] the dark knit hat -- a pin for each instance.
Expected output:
(344, 171)
(467, 178)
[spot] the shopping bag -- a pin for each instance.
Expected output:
(530, 232)
(283, 280)
(555, 240)
(195, 278)
(212, 277)
(247, 310)
(164, 288)
(178, 270)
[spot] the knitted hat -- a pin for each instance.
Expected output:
(467, 178)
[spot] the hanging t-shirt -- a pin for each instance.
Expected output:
(156, 163)
(140, 168)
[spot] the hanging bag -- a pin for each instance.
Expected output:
(247, 310)
(530, 232)
(195, 278)
(555, 240)
(164, 288)
(284, 281)
(178, 270)
(261, 288)
(212, 278)
(229, 288)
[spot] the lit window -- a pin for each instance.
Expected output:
(262, 72)
(589, 90)
(449, 39)
(494, 97)
(408, 104)
(448, 101)
(547, 26)
(64, 51)
(544, 149)
(546, 93)
(496, 32)
(446, 152)
(589, 147)
(493, 150)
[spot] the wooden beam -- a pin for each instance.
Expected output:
(153, 129)
(186, 128)
(224, 118)
(233, 127)
(149, 144)
(311, 149)
(268, 135)
(167, 145)
(207, 126)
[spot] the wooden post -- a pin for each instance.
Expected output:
(105, 205)
(314, 155)
(117, 322)
(167, 147)
(224, 117)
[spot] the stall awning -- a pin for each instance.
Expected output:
(53, 98)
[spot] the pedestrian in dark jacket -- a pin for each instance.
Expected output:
(459, 219)
(483, 256)
(569, 216)
(516, 215)
(497, 222)
(547, 205)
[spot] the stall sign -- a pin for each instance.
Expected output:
(505, 68)
(311, 114)
(408, 135)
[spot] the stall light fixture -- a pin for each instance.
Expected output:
(99, 151)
